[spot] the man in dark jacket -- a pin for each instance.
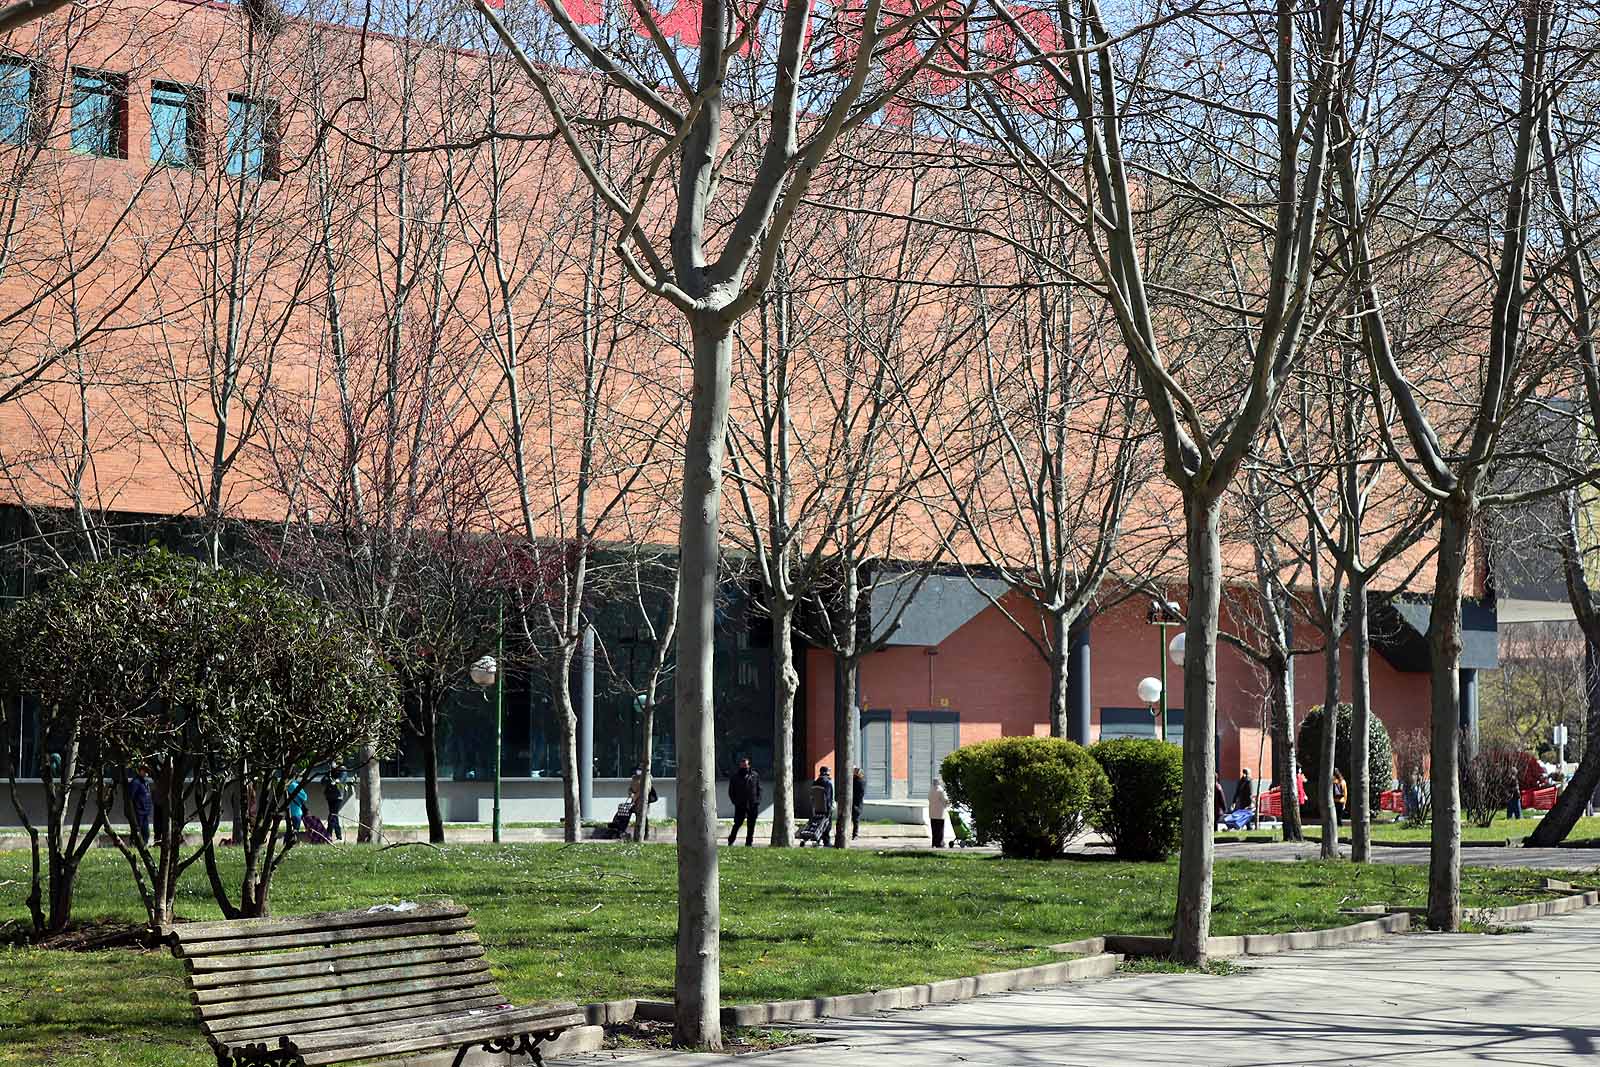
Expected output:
(335, 792)
(744, 789)
(140, 806)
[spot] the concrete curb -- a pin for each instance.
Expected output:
(1537, 909)
(1266, 944)
(911, 996)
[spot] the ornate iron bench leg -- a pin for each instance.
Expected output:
(524, 1044)
(262, 1055)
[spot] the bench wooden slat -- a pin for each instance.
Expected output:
(232, 929)
(377, 991)
(206, 968)
(331, 973)
(340, 1016)
(466, 1033)
(225, 946)
(519, 1020)
(250, 993)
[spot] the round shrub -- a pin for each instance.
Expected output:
(1030, 794)
(1145, 814)
(1380, 753)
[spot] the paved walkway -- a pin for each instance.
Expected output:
(1570, 859)
(1530, 999)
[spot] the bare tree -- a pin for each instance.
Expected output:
(742, 171)
(1203, 93)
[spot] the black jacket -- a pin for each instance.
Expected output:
(744, 789)
(1244, 794)
(825, 784)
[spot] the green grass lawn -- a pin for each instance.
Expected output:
(589, 922)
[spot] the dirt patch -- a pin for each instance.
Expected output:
(736, 1040)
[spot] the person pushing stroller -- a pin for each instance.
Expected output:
(819, 828)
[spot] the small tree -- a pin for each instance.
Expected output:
(1379, 750)
(45, 638)
(308, 689)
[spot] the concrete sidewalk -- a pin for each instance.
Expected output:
(1569, 859)
(1530, 999)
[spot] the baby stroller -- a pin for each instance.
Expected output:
(619, 822)
(314, 831)
(819, 828)
(1243, 819)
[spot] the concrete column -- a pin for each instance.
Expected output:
(1078, 714)
(586, 725)
(1469, 707)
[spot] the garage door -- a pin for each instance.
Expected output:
(930, 737)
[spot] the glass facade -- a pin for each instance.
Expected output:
(97, 105)
(174, 139)
(16, 90)
(531, 745)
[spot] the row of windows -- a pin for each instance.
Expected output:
(177, 120)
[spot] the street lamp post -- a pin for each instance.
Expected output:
(1164, 614)
(486, 672)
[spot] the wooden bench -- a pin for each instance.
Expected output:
(353, 985)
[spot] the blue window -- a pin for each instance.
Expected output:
(252, 138)
(16, 91)
(174, 125)
(99, 106)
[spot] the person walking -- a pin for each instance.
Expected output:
(938, 804)
(858, 798)
(744, 789)
(297, 807)
(1244, 794)
(822, 796)
(139, 804)
(335, 791)
(1219, 803)
(1341, 797)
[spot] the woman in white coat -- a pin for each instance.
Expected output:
(938, 803)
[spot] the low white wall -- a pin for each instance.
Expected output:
(521, 800)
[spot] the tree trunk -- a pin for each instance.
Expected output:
(62, 877)
(1059, 657)
(1444, 641)
(561, 689)
(786, 679)
(647, 749)
(1330, 741)
(844, 746)
(430, 764)
(371, 829)
(1574, 799)
(697, 988)
(1192, 928)
(1284, 764)
(1360, 784)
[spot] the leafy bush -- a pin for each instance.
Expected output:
(1380, 754)
(1145, 813)
(1488, 779)
(1030, 794)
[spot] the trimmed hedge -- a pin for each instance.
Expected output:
(1380, 754)
(1030, 794)
(1145, 815)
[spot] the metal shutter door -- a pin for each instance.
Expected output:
(875, 753)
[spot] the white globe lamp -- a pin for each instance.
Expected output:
(483, 671)
(1149, 690)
